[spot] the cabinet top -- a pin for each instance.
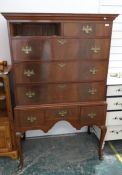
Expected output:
(58, 16)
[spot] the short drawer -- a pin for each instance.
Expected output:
(114, 118)
(115, 90)
(67, 48)
(31, 48)
(93, 115)
(59, 93)
(60, 71)
(87, 29)
(114, 103)
(114, 133)
(29, 118)
(62, 113)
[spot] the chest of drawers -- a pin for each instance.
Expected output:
(114, 114)
(59, 69)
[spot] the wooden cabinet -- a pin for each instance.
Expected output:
(60, 66)
(7, 134)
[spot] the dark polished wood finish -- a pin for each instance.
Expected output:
(73, 71)
(60, 66)
(59, 93)
(58, 48)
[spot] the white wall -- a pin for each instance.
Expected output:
(115, 63)
(66, 6)
(52, 6)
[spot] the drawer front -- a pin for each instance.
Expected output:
(31, 49)
(60, 71)
(59, 49)
(59, 93)
(114, 133)
(114, 90)
(87, 29)
(114, 103)
(114, 118)
(64, 48)
(93, 115)
(62, 113)
(29, 118)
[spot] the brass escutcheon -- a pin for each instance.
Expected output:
(62, 113)
(29, 73)
(93, 71)
(61, 65)
(92, 91)
(95, 49)
(87, 29)
(27, 49)
(92, 115)
(31, 119)
(61, 41)
(30, 94)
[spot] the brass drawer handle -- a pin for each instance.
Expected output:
(118, 104)
(92, 91)
(92, 115)
(31, 119)
(29, 73)
(61, 65)
(30, 94)
(87, 29)
(61, 41)
(93, 71)
(95, 49)
(62, 113)
(27, 49)
(61, 86)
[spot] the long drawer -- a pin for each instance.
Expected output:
(60, 71)
(87, 29)
(57, 93)
(58, 48)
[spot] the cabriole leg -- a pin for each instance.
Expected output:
(102, 137)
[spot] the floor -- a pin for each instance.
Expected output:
(74, 154)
